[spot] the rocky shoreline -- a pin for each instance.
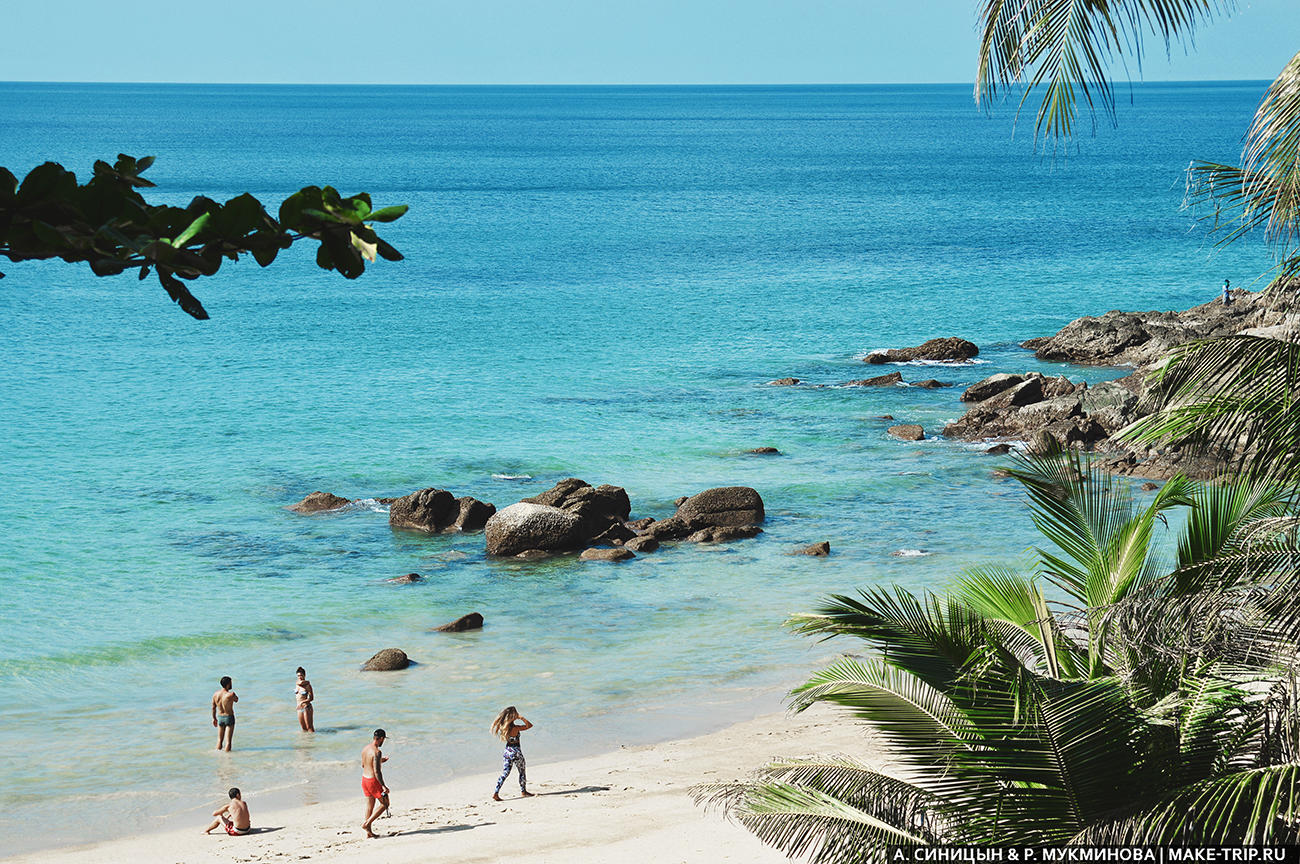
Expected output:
(1034, 408)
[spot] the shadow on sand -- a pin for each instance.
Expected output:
(445, 829)
(579, 790)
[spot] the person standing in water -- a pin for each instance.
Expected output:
(233, 815)
(1227, 293)
(223, 713)
(509, 724)
(372, 781)
(305, 695)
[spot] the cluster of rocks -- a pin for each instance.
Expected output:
(950, 349)
(437, 510)
(1043, 410)
(574, 515)
(892, 379)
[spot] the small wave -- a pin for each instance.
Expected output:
(910, 553)
(512, 476)
(975, 361)
(371, 505)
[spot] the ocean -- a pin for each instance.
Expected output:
(599, 282)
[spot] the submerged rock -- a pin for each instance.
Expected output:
(472, 621)
(931, 384)
(318, 501)
(783, 382)
(764, 451)
(724, 533)
(408, 579)
(644, 543)
(603, 554)
(950, 349)
(387, 660)
(879, 381)
(816, 550)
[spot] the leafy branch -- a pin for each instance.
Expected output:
(107, 224)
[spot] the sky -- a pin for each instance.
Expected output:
(565, 42)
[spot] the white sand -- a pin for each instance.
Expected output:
(630, 805)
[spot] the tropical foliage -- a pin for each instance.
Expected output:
(1109, 695)
(107, 224)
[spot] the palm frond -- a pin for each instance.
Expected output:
(1067, 47)
(1237, 394)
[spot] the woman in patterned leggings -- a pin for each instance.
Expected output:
(508, 725)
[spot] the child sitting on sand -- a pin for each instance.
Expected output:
(234, 816)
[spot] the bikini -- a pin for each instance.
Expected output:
(303, 702)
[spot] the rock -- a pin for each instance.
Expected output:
(1000, 474)
(671, 528)
(644, 543)
(1150, 487)
(991, 386)
(472, 514)
(764, 451)
(472, 621)
(532, 554)
(617, 533)
(639, 525)
(724, 533)
(907, 432)
(931, 384)
(1059, 386)
(998, 450)
(387, 502)
(725, 506)
(318, 501)
(1141, 338)
(1027, 392)
(601, 554)
(435, 510)
(387, 660)
(408, 579)
(1044, 443)
(879, 381)
(951, 349)
(885, 417)
(526, 526)
(783, 382)
(816, 550)
(680, 501)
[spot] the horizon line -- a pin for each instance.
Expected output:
(601, 84)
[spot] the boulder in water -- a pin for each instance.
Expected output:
(907, 432)
(318, 501)
(816, 550)
(950, 349)
(605, 554)
(472, 621)
(387, 660)
(722, 507)
(527, 526)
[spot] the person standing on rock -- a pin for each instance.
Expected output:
(1227, 293)
(305, 696)
(223, 713)
(372, 781)
(509, 724)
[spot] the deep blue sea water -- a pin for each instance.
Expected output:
(599, 282)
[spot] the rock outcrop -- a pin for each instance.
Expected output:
(642, 543)
(318, 501)
(950, 350)
(1142, 338)
(816, 550)
(387, 660)
(408, 579)
(931, 384)
(783, 382)
(724, 533)
(472, 621)
(764, 451)
(436, 510)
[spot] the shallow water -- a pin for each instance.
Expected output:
(599, 282)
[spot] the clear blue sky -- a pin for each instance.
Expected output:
(562, 41)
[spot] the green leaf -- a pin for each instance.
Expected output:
(194, 228)
(388, 214)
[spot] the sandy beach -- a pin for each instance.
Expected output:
(631, 804)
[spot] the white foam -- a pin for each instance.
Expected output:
(369, 504)
(512, 476)
(954, 363)
(910, 553)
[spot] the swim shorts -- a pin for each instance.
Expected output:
(225, 719)
(233, 831)
(371, 787)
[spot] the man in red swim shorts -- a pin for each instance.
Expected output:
(372, 781)
(234, 816)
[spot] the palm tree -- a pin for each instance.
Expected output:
(1105, 713)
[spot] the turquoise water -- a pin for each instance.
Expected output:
(598, 283)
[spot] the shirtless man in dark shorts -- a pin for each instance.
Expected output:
(223, 713)
(234, 816)
(372, 781)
